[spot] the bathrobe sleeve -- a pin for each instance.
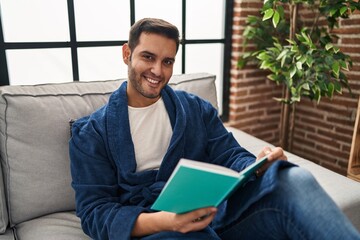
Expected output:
(97, 196)
(220, 145)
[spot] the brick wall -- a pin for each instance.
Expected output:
(322, 133)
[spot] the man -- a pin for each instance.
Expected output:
(123, 154)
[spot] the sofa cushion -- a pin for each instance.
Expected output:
(200, 84)
(34, 134)
(8, 235)
(56, 226)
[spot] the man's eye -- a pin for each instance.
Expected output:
(148, 57)
(169, 62)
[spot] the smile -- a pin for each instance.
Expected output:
(152, 80)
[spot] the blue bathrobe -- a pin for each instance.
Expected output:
(110, 194)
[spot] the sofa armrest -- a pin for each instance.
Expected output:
(344, 191)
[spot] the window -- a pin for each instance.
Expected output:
(45, 41)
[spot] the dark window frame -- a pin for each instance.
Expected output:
(73, 44)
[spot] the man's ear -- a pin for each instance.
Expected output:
(126, 53)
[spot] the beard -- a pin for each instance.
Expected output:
(137, 81)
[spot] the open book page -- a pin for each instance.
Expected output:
(207, 167)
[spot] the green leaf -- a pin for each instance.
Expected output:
(282, 54)
(241, 62)
(333, 11)
(263, 56)
(343, 10)
(344, 65)
(302, 59)
(276, 19)
(331, 88)
(268, 14)
(306, 86)
(282, 100)
(280, 9)
(272, 77)
(336, 68)
(309, 61)
(329, 46)
(278, 45)
(306, 37)
(295, 98)
(292, 71)
(290, 81)
(337, 87)
(299, 65)
(283, 60)
(322, 86)
(247, 31)
(294, 48)
(265, 65)
(300, 38)
(317, 95)
(292, 42)
(246, 55)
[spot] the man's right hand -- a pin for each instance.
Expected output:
(150, 223)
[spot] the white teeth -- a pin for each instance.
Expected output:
(152, 80)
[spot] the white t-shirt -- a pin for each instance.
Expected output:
(151, 133)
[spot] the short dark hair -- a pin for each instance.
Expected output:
(153, 25)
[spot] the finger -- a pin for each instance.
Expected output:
(265, 151)
(203, 213)
(278, 153)
(274, 154)
(204, 222)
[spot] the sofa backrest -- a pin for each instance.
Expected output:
(34, 134)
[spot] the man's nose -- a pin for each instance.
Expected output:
(156, 68)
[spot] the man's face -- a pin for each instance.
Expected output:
(150, 66)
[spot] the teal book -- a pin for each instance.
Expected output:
(195, 184)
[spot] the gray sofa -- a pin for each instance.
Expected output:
(36, 200)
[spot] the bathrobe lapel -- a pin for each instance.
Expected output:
(176, 148)
(118, 131)
(121, 144)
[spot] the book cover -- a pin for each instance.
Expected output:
(195, 184)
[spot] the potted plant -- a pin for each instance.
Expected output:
(300, 55)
